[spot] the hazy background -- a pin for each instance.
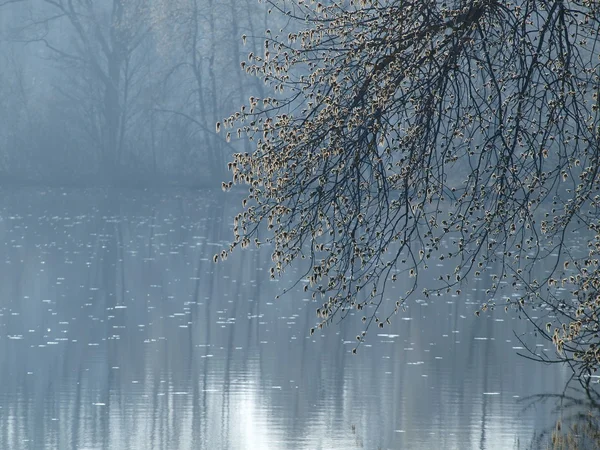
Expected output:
(123, 92)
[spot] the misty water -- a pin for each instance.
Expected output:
(117, 331)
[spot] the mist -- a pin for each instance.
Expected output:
(127, 321)
(122, 93)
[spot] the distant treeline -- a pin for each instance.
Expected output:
(123, 92)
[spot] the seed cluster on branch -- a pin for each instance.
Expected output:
(401, 132)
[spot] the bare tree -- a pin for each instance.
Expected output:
(400, 132)
(203, 38)
(125, 91)
(95, 43)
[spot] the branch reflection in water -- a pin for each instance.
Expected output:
(577, 416)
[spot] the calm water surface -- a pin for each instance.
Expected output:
(117, 331)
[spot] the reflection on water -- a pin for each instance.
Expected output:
(577, 423)
(118, 332)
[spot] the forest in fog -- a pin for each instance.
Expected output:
(122, 92)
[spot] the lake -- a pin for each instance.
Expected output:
(117, 331)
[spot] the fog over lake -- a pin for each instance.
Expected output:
(427, 174)
(117, 331)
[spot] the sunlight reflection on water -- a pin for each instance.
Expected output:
(118, 331)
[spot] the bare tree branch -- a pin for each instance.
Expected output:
(402, 132)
